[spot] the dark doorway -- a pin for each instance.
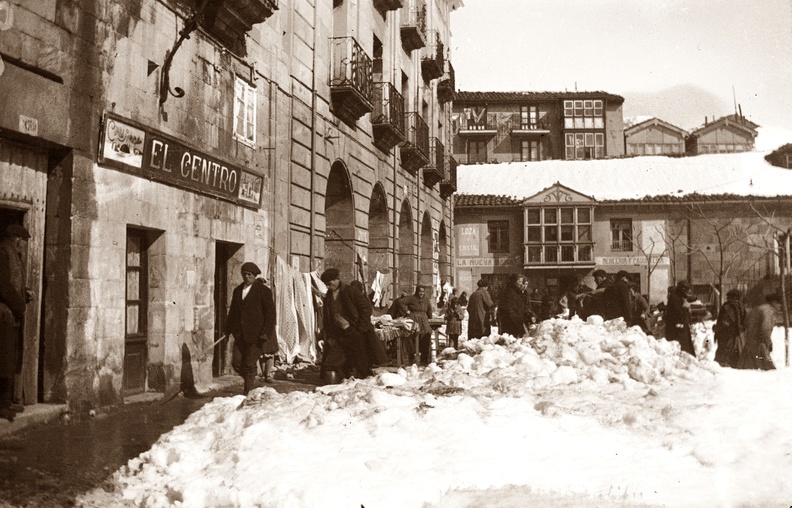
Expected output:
(224, 253)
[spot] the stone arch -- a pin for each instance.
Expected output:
(427, 254)
(378, 233)
(340, 222)
(406, 253)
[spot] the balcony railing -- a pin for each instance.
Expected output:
(433, 60)
(524, 126)
(387, 118)
(351, 81)
(413, 25)
(415, 148)
(449, 185)
(478, 126)
(447, 85)
(434, 171)
(622, 245)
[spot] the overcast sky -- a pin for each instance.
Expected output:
(728, 48)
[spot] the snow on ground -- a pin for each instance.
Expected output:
(576, 414)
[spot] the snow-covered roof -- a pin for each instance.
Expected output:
(740, 174)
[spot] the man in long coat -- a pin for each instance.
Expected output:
(755, 353)
(512, 314)
(251, 320)
(345, 326)
(479, 310)
(677, 316)
(418, 308)
(729, 329)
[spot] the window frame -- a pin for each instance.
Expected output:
(553, 236)
(483, 145)
(245, 103)
(498, 236)
(622, 236)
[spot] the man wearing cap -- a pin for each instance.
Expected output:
(346, 324)
(251, 320)
(480, 309)
(14, 297)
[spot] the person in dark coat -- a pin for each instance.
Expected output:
(640, 309)
(677, 316)
(345, 325)
(574, 297)
(759, 324)
(374, 346)
(251, 320)
(14, 297)
(418, 308)
(729, 329)
(479, 309)
(512, 315)
(616, 296)
(594, 300)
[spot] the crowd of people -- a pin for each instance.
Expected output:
(351, 348)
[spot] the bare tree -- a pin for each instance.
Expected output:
(727, 237)
(675, 231)
(652, 248)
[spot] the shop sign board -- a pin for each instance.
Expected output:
(148, 153)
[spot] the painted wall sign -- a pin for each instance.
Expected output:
(123, 144)
(499, 261)
(630, 260)
(468, 241)
(150, 154)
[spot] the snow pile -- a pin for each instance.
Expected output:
(576, 411)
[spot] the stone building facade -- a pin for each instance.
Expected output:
(153, 146)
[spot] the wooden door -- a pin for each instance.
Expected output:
(136, 337)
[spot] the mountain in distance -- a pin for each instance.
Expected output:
(685, 106)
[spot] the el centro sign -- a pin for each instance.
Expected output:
(151, 154)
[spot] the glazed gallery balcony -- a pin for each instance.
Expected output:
(413, 25)
(415, 148)
(387, 119)
(351, 80)
(434, 171)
